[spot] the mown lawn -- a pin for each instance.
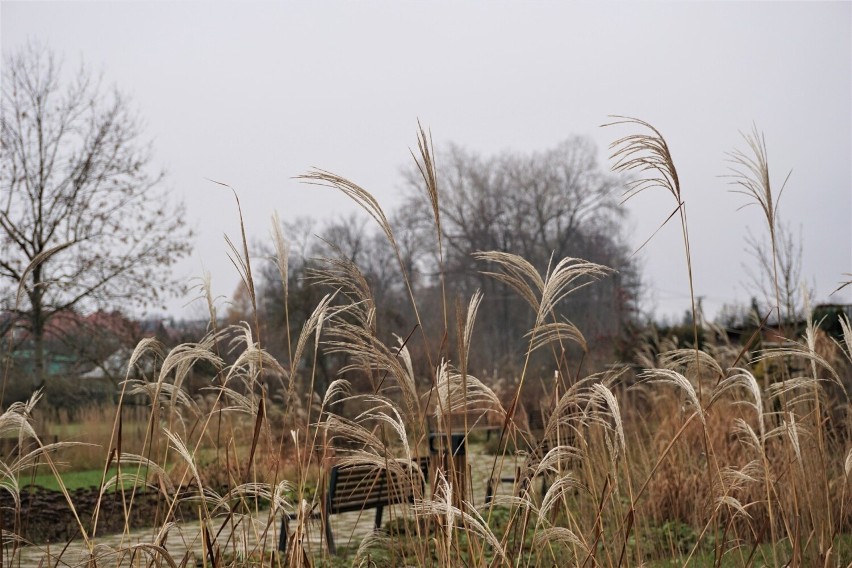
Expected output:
(72, 479)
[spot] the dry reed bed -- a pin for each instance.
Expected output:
(706, 453)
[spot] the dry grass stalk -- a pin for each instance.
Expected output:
(621, 464)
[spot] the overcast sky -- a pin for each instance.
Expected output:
(253, 94)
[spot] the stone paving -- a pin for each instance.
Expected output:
(185, 538)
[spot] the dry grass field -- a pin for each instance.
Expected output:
(691, 453)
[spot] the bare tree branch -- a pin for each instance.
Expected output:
(79, 194)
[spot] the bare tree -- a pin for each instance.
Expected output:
(791, 291)
(317, 249)
(544, 206)
(84, 222)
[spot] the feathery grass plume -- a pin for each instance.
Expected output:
(523, 500)
(368, 203)
(558, 455)
(548, 536)
(650, 157)
(399, 468)
(847, 464)
(517, 273)
(810, 337)
(818, 495)
(131, 479)
(187, 456)
(732, 503)
(207, 287)
(542, 294)
(163, 532)
(426, 166)
(795, 391)
(11, 469)
(312, 327)
(182, 358)
(560, 489)
(349, 430)
(793, 433)
(457, 392)
(156, 553)
(342, 274)
(568, 411)
(236, 504)
(744, 379)
(205, 292)
(684, 360)
(556, 332)
(444, 491)
(371, 356)
(746, 433)
(338, 387)
(471, 520)
(472, 309)
(390, 417)
(606, 395)
(735, 479)
(241, 259)
(233, 401)
(275, 495)
(41, 257)
(17, 419)
(562, 280)
(356, 193)
(846, 344)
(750, 174)
(146, 346)
(254, 359)
(156, 477)
(371, 541)
(202, 494)
(282, 254)
(165, 393)
(646, 154)
(39, 454)
(9, 482)
(667, 376)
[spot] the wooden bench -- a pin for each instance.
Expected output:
(358, 488)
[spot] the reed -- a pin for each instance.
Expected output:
(717, 454)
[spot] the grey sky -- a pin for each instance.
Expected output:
(253, 94)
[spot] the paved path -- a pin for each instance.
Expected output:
(185, 538)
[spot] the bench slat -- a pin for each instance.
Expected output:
(360, 487)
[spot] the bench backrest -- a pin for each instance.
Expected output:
(361, 487)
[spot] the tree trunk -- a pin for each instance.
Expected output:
(37, 321)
